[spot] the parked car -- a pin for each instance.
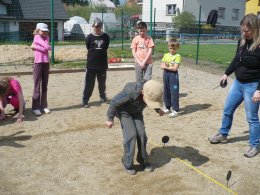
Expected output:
(66, 33)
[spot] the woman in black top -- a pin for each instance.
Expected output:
(246, 86)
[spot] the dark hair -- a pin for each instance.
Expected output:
(141, 25)
(4, 85)
(173, 43)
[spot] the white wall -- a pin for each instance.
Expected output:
(2, 9)
(208, 5)
(193, 7)
(14, 26)
(160, 6)
(60, 30)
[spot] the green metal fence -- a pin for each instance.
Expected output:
(70, 24)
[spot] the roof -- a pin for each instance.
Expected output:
(105, 3)
(6, 2)
(107, 17)
(36, 10)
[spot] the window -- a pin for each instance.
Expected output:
(4, 26)
(221, 12)
(171, 9)
(235, 14)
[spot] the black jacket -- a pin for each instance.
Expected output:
(246, 64)
(212, 17)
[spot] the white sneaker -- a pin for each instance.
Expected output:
(173, 114)
(37, 112)
(46, 110)
(166, 111)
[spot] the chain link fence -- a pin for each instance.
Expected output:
(71, 25)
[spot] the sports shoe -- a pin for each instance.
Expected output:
(129, 170)
(173, 114)
(85, 105)
(166, 111)
(147, 167)
(37, 112)
(217, 138)
(46, 111)
(104, 100)
(253, 151)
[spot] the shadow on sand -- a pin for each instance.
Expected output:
(11, 140)
(160, 156)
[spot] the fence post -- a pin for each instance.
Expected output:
(52, 33)
(198, 38)
(154, 23)
(151, 18)
(122, 29)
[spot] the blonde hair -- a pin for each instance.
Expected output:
(36, 32)
(4, 85)
(249, 21)
(173, 43)
(256, 32)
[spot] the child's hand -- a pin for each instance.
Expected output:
(109, 124)
(159, 111)
(19, 118)
(142, 65)
(32, 46)
(2, 114)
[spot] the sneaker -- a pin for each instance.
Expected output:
(85, 105)
(173, 114)
(130, 170)
(166, 111)
(37, 112)
(253, 151)
(147, 167)
(217, 138)
(104, 100)
(46, 111)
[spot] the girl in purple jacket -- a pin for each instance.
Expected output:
(41, 68)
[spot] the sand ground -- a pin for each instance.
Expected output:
(70, 151)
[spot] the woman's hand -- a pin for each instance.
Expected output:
(224, 78)
(256, 96)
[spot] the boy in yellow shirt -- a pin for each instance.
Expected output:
(170, 64)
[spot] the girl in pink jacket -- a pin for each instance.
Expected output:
(41, 68)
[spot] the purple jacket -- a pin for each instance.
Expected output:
(41, 48)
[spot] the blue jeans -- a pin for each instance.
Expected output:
(238, 93)
(171, 88)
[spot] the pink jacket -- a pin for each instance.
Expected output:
(41, 48)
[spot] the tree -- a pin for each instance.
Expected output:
(184, 20)
(116, 2)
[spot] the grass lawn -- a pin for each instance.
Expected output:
(216, 53)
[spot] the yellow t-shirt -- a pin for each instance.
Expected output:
(170, 59)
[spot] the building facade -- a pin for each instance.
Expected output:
(230, 12)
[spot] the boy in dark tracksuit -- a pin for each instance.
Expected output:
(97, 44)
(128, 106)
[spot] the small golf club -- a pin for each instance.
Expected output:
(228, 176)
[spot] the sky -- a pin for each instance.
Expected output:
(122, 1)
